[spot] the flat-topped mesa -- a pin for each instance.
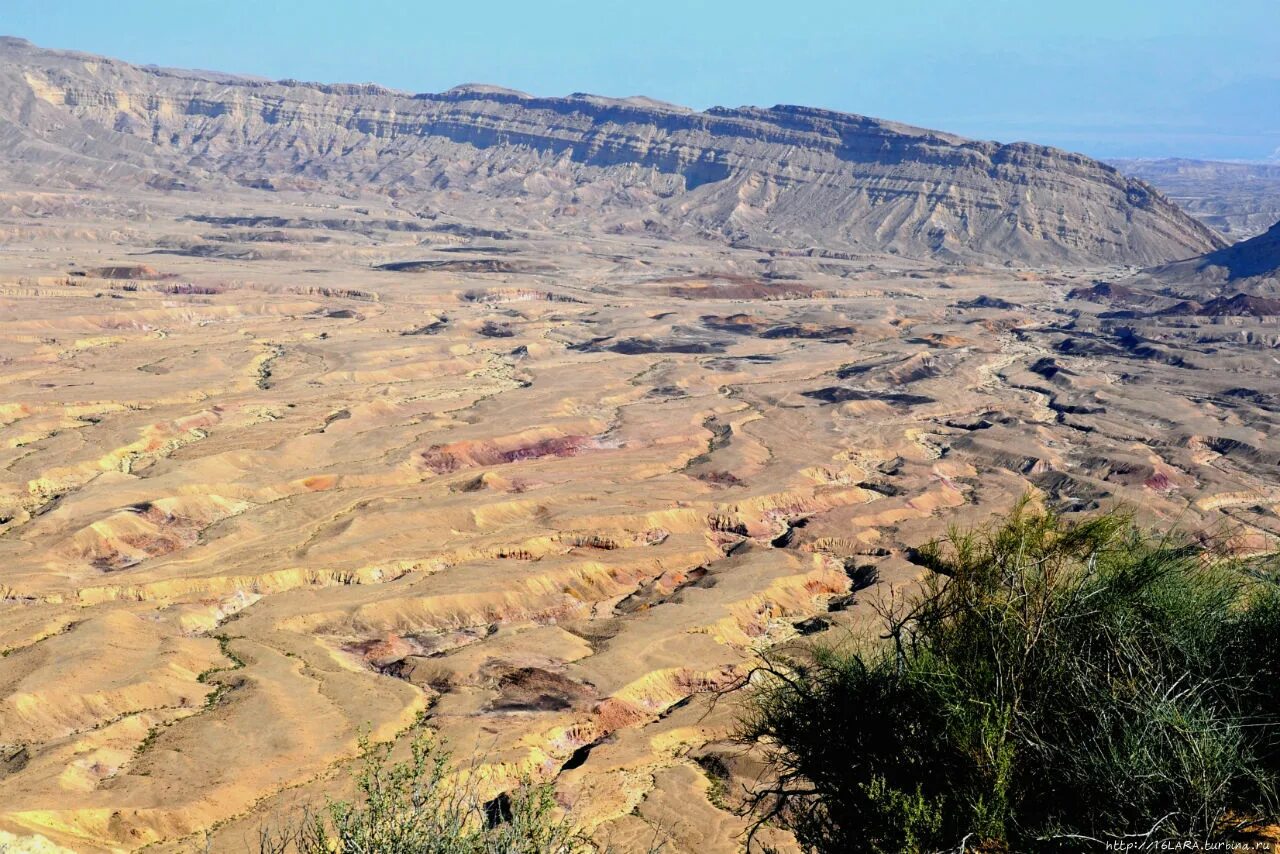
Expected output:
(787, 175)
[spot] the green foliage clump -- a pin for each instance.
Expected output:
(1055, 686)
(220, 689)
(417, 807)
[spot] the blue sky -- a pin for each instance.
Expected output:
(1117, 78)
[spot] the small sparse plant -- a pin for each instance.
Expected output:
(153, 733)
(418, 807)
(713, 768)
(220, 689)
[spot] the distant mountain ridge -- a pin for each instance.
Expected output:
(785, 176)
(1239, 199)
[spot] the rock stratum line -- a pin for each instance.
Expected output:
(786, 176)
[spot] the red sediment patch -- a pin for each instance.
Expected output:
(456, 456)
(652, 537)
(320, 482)
(613, 714)
(379, 653)
(817, 587)
(170, 534)
(154, 545)
(726, 541)
(701, 683)
(388, 654)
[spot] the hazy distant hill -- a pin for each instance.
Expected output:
(788, 175)
(1238, 199)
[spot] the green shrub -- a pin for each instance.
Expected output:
(1055, 685)
(416, 807)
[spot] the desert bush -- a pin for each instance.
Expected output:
(1054, 686)
(418, 807)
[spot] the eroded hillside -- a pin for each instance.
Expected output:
(784, 177)
(277, 468)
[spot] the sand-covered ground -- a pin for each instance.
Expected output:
(544, 493)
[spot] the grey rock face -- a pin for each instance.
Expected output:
(785, 176)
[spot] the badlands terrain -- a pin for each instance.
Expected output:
(327, 408)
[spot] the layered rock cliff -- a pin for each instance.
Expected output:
(792, 176)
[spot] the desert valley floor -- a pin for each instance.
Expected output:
(277, 469)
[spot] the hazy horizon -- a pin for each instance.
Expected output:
(1135, 80)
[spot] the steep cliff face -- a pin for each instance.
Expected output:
(784, 176)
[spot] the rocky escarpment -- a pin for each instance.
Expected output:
(785, 175)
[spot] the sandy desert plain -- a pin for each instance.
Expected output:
(543, 489)
(549, 507)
